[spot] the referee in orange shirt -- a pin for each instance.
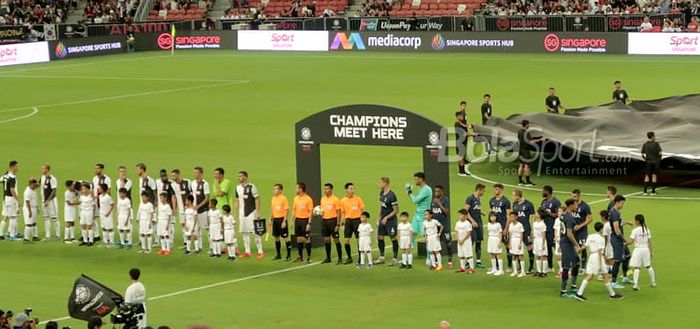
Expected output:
(352, 209)
(331, 227)
(279, 206)
(303, 205)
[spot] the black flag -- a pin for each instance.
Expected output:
(90, 298)
(259, 226)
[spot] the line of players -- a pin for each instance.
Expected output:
(201, 217)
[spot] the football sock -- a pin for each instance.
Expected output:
(404, 259)
(653, 187)
(308, 249)
(328, 250)
(395, 247)
(635, 277)
(188, 245)
(615, 271)
(645, 187)
(531, 259)
(91, 236)
(348, 251)
(582, 288)
(522, 266)
(258, 244)
(652, 275)
(369, 257)
(339, 250)
(278, 248)
(608, 286)
(564, 279)
(143, 243)
(149, 243)
(410, 259)
(3, 223)
(520, 179)
(83, 235)
(13, 227)
(246, 243)
(574, 275)
(538, 264)
(27, 232)
(471, 263)
(381, 244)
(362, 258)
(499, 264)
(462, 263)
(300, 249)
(47, 228)
(288, 246)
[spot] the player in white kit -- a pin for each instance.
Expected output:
(433, 229)
(364, 231)
(190, 225)
(464, 243)
(200, 190)
(216, 229)
(495, 232)
(229, 232)
(596, 264)
(10, 205)
(49, 207)
(405, 232)
(88, 209)
(641, 255)
(106, 210)
(124, 217)
(515, 238)
(71, 200)
(30, 210)
(539, 248)
(146, 216)
(607, 231)
(559, 229)
(99, 179)
(165, 217)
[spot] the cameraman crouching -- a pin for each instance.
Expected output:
(136, 295)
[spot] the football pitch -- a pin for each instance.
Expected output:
(237, 110)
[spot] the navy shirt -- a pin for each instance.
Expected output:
(569, 222)
(615, 216)
(442, 217)
(611, 204)
(580, 214)
(387, 201)
(500, 207)
(553, 206)
(474, 208)
(524, 210)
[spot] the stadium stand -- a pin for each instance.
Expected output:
(33, 12)
(436, 7)
(589, 7)
(180, 10)
(110, 11)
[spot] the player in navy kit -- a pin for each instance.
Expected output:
(440, 207)
(500, 205)
(617, 238)
(524, 209)
(473, 206)
(568, 245)
(387, 224)
(583, 217)
(548, 211)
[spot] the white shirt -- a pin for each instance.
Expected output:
(87, 203)
(164, 211)
(595, 243)
(462, 228)
(539, 229)
(31, 196)
(53, 182)
(190, 213)
(146, 212)
(71, 197)
(96, 183)
(431, 227)
(229, 222)
(607, 230)
(405, 230)
(646, 26)
(123, 207)
(195, 191)
(214, 217)
(641, 237)
(516, 230)
(105, 204)
(494, 229)
(125, 185)
(135, 294)
(179, 197)
(558, 228)
(240, 192)
(149, 181)
(364, 230)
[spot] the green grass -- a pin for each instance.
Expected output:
(238, 110)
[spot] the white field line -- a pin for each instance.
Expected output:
(85, 77)
(54, 66)
(34, 111)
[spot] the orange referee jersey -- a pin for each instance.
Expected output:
(352, 207)
(303, 205)
(330, 205)
(280, 206)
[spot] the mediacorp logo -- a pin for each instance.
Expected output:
(165, 42)
(341, 39)
(392, 41)
(61, 50)
(552, 43)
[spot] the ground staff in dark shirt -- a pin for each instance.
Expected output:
(552, 103)
(619, 94)
(525, 142)
(651, 152)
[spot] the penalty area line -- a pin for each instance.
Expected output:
(35, 110)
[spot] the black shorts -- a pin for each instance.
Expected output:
(527, 237)
(652, 168)
(525, 157)
(581, 237)
(569, 257)
(300, 227)
(328, 228)
(618, 247)
(351, 226)
(277, 230)
(446, 237)
(389, 229)
(478, 234)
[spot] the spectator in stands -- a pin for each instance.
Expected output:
(693, 26)
(646, 25)
(467, 24)
(328, 12)
(312, 8)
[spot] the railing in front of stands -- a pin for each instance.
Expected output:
(578, 23)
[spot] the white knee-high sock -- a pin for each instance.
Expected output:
(66, 233)
(128, 237)
(462, 263)
(72, 232)
(47, 228)
(231, 250)
(369, 257)
(143, 242)
(635, 277)
(258, 244)
(149, 243)
(362, 258)
(96, 229)
(652, 275)
(27, 233)
(538, 265)
(84, 235)
(582, 288)
(608, 286)
(57, 226)
(188, 245)
(246, 243)
(91, 235)
(559, 264)
(410, 259)
(545, 266)
(404, 258)
(121, 237)
(13, 227)
(111, 237)
(499, 263)
(3, 223)
(522, 266)
(471, 263)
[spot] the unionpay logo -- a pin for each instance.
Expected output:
(438, 42)
(61, 51)
(347, 42)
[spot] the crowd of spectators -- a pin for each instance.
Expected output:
(110, 11)
(590, 7)
(23, 12)
(242, 9)
(376, 8)
(182, 4)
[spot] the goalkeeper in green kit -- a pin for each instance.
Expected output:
(422, 199)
